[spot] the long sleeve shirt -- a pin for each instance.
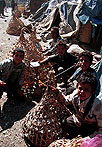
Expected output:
(94, 114)
(65, 61)
(9, 72)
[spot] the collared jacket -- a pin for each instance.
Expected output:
(9, 72)
(65, 61)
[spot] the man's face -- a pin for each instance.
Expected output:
(84, 91)
(84, 63)
(61, 50)
(18, 57)
(54, 34)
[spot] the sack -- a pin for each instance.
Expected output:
(93, 142)
(15, 26)
(17, 12)
(85, 33)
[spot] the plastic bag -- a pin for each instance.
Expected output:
(93, 142)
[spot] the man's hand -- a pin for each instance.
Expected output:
(20, 92)
(76, 65)
(53, 89)
(2, 83)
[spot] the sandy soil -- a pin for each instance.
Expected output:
(12, 114)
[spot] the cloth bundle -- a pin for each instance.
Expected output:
(15, 26)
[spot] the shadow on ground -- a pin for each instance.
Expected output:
(12, 112)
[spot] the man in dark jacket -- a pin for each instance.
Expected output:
(62, 60)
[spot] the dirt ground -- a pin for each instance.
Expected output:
(12, 114)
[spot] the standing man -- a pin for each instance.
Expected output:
(13, 4)
(7, 5)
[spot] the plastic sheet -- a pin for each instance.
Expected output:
(94, 142)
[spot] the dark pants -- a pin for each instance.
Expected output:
(70, 130)
(12, 91)
(58, 69)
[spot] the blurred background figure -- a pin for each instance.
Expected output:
(2, 7)
(13, 4)
(7, 5)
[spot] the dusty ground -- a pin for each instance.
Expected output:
(12, 114)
